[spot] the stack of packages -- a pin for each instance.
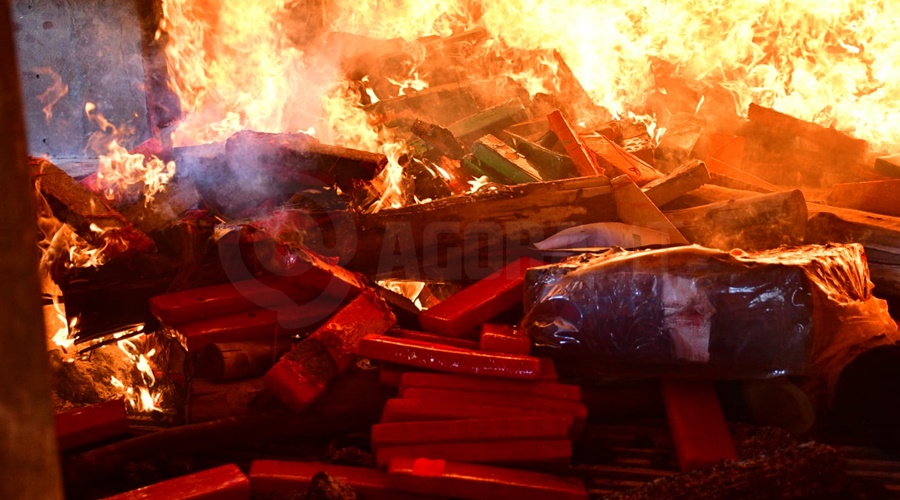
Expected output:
(693, 311)
(232, 333)
(469, 416)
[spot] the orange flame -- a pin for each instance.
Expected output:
(347, 124)
(409, 289)
(235, 66)
(122, 176)
(144, 399)
(834, 62)
(830, 61)
(61, 337)
(60, 242)
(122, 173)
(407, 19)
(246, 65)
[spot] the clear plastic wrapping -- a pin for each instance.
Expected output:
(695, 311)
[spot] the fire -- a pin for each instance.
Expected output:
(406, 19)
(239, 65)
(832, 62)
(124, 177)
(346, 123)
(409, 289)
(144, 399)
(235, 66)
(57, 320)
(478, 184)
(60, 242)
(121, 173)
(414, 83)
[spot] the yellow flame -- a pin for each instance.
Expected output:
(62, 338)
(834, 62)
(144, 399)
(235, 66)
(60, 241)
(373, 97)
(123, 176)
(409, 289)
(414, 83)
(478, 184)
(246, 65)
(407, 19)
(347, 124)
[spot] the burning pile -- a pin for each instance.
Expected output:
(243, 261)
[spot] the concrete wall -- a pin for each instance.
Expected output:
(95, 47)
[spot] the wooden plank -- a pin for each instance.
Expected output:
(618, 161)
(635, 208)
(752, 223)
(460, 238)
(300, 156)
(707, 194)
(888, 165)
(495, 154)
(853, 226)
(879, 234)
(791, 152)
(439, 138)
(720, 167)
(676, 183)
(489, 121)
(827, 139)
(585, 162)
(87, 212)
(881, 197)
(552, 165)
(166, 208)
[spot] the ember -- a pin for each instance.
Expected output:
(441, 247)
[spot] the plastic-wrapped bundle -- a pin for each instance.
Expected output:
(703, 312)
